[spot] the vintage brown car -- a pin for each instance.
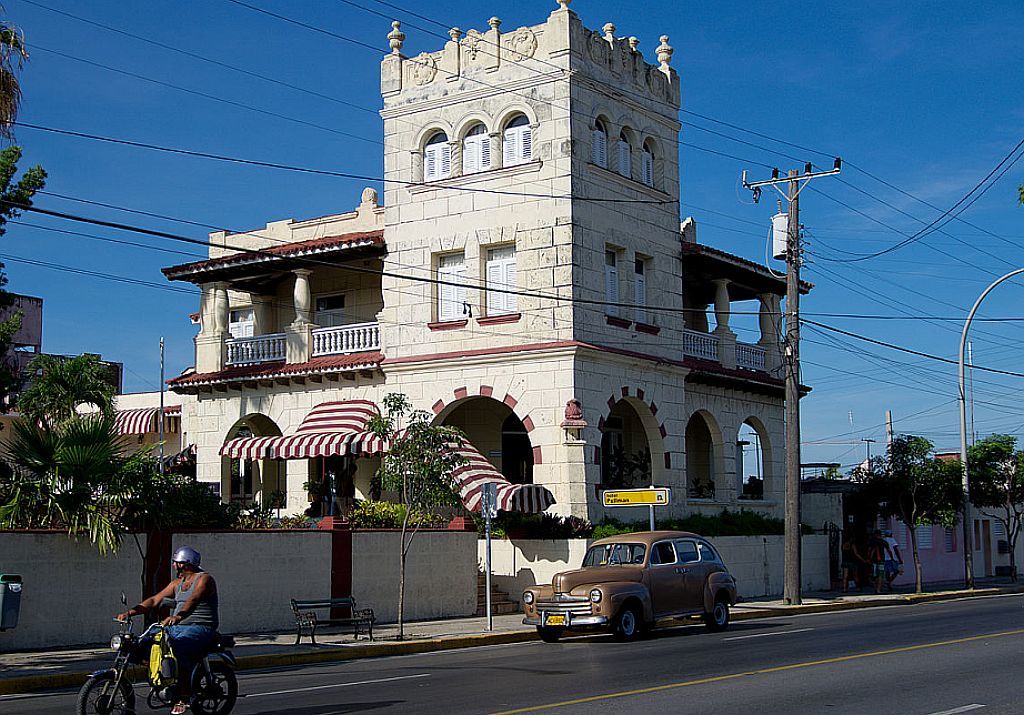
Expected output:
(630, 581)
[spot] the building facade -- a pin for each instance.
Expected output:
(527, 279)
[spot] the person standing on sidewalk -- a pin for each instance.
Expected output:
(852, 560)
(894, 562)
(878, 554)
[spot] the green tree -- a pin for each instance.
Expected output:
(913, 486)
(996, 472)
(12, 195)
(61, 385)
(12, 56)
(69, 476)
(418, 467)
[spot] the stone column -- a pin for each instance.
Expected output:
(262, 306)
(302, 297)
(299, 334)
(497, 147)
(770, 321)
(726, 338)
(213, 333)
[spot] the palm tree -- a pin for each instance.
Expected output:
(60, 385)
(71, 476)
(12, 56)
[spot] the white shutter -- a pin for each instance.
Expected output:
(446, 161)
(485, 153)
(924, 536)
(510, 283)
(470, 155)
(599, 148)
(451, 293)
(508, 148)
(495, 300)
(526, 144)
(625, 163)
(611, 283)
(648, 168)
(640, 293)
(430, 166)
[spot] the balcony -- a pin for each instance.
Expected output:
(700, 345)
(346, 339)
(253, 351)
(707, 346)
(750, 357)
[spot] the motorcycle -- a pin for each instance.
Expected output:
(111, 692)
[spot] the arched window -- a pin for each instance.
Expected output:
(647, 165)
(437, 158)
(517, 142)
(476, 150)
(624, 163)
(599, 144)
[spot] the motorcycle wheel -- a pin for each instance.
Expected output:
(99, 696)
(214, 693)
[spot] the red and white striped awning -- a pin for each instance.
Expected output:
(330, 429)
(247, 447)
(477, 471)
(137, 421)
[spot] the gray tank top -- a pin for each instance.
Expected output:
(205, 612)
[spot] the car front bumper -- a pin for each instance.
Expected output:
(574, 621)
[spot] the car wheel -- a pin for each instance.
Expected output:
(628, 624)
(718, 619)
(549, 635)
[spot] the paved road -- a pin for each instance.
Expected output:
(952, 657)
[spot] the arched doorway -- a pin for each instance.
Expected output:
(497, 432)
(702, 457)
(752, 459)
(625, 451)
(249, 481)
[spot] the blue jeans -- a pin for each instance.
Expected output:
(189, 643)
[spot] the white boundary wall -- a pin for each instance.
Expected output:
(258, 573)
(755, 561)
(440, 580)
(70, 593)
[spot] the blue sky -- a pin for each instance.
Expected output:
(925, 96)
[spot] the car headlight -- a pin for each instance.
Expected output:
(116, 642)
(595, 595)
(528, 597)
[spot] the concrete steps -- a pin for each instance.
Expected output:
(500, 602)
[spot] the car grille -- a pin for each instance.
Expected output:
(576, 605)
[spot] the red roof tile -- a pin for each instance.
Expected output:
(285, 250)
(318, 365)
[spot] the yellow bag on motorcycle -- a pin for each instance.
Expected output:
(163, 667)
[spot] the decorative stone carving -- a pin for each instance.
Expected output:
(455, 33)
(369, 196)
(634, 43)
(598, 48)
(494, 22)
(521, 44)
(563, 4)
(396, 38)
(474, 38)
(664, 52)
(573, 410)
(424, 68)
(609, 32)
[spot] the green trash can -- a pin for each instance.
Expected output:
(10, 600)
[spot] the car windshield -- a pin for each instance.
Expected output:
(615, 554)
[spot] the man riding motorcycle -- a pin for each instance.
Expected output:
(192, 626)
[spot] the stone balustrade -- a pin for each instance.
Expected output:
(259, 349)
(750, 357)
(700, 345)
(346, 339)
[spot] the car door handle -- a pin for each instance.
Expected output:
(682, 570)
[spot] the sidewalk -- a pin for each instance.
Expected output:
(40, 670)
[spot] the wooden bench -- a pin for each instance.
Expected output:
(306, 619)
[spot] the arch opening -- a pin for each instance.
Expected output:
(246, 482)
(625, 449)
(496, 432)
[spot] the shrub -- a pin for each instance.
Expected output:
(535, 526)
(388, 515)
(727, 523)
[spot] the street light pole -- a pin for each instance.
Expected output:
(966, 516)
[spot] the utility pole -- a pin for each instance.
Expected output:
(970, 362)
(888, 428)
(795, 184)
(161, 415)
(867, 443)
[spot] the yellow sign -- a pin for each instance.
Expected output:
(654, 496)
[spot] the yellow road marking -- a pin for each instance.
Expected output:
(777, 669)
